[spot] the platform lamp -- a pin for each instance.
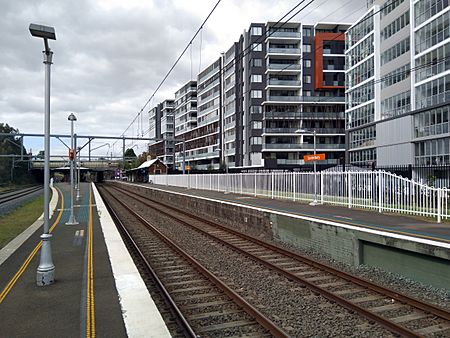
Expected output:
(303, 132)
(72, 221)
(46, 269)
(79, 173)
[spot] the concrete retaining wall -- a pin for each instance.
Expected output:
(423, 262)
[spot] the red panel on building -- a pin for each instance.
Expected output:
(319, 38)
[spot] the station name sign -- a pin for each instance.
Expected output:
(312, 158)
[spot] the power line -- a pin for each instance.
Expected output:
(173, 66)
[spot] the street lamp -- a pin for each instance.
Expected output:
(46, 269)
(306, 131)
(72, 118)
(79, 176)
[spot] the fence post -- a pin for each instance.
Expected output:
(321, 187)
(167, 180)
(439, 205)
(272, 183)
(295, 186)
(380, 192)
(349, 189)
(255, 184)
(242, 177)
(196, 181)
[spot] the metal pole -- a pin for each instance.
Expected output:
(315, 172)
(79, 174)
(72, 220)
(46, 270)
(12, 170)
(184, 156)
(90, 149)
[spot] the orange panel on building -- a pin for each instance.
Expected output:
(319, 38)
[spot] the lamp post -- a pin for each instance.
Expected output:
(79, 170)
(72, 221)
(306, 131)
(46, 270)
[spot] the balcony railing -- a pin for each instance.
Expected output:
(280, 34)
(293, 131)
(285, 50)
(304, 115)
(292, 146)
(285, 82)
(286, 66)
(308, 98)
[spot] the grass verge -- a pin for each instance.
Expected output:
(13, 223)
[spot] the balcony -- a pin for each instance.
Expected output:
(281, 161)
(340, 99)
(274, 115)
(281, 34)
(294, 83)
(284, 66)
(284, 51)
(299, 146)
(293, 131)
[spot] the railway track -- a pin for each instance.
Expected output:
(200, 303)
(398, 313)
(13, 195)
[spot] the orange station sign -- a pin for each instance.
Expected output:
(312, 158)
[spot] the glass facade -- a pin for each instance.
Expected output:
(432, 33)
(432, 122)
(364, 137)
(360, 95)
(433, 92)
(360, 30)
(395, 26)
(396, 105)
(395, 51)
(363, 156)
(425, 9)
(395, 76)
(360, 73)
(360, 52)
(433, 152)
(360, 116)
(433, 63)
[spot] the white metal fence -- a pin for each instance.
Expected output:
(377, 190)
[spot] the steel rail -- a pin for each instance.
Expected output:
(431, 309)
(176, 312)
(17, 194)
(247, 307)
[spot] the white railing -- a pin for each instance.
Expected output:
(377, 190)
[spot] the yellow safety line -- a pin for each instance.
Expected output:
(90, 325)
(22, 269)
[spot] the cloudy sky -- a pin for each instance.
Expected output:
(110, 55)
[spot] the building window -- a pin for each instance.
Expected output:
(432, 122)
(307, 31)
(256, 78)
(256, 62)
(395, 51)
(307, 48)
(395, 26)
(256, 124)
(433, 63)
(425, 9)
(433, 152)
(396, 105)
(255, 140)
(256, 94)
(307, 79)
(256, 31)
(257, 47)
(433, 92)
(255, 110)
(307, 93)
(307, 63)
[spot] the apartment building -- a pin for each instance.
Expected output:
(203, 138)
(398, 87)
(161, 127)
(185, 115)
(303, 93)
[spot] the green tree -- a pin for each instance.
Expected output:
(11, 145)
(130, 159)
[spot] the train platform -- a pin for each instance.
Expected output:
(97, 290)
(388, 223)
